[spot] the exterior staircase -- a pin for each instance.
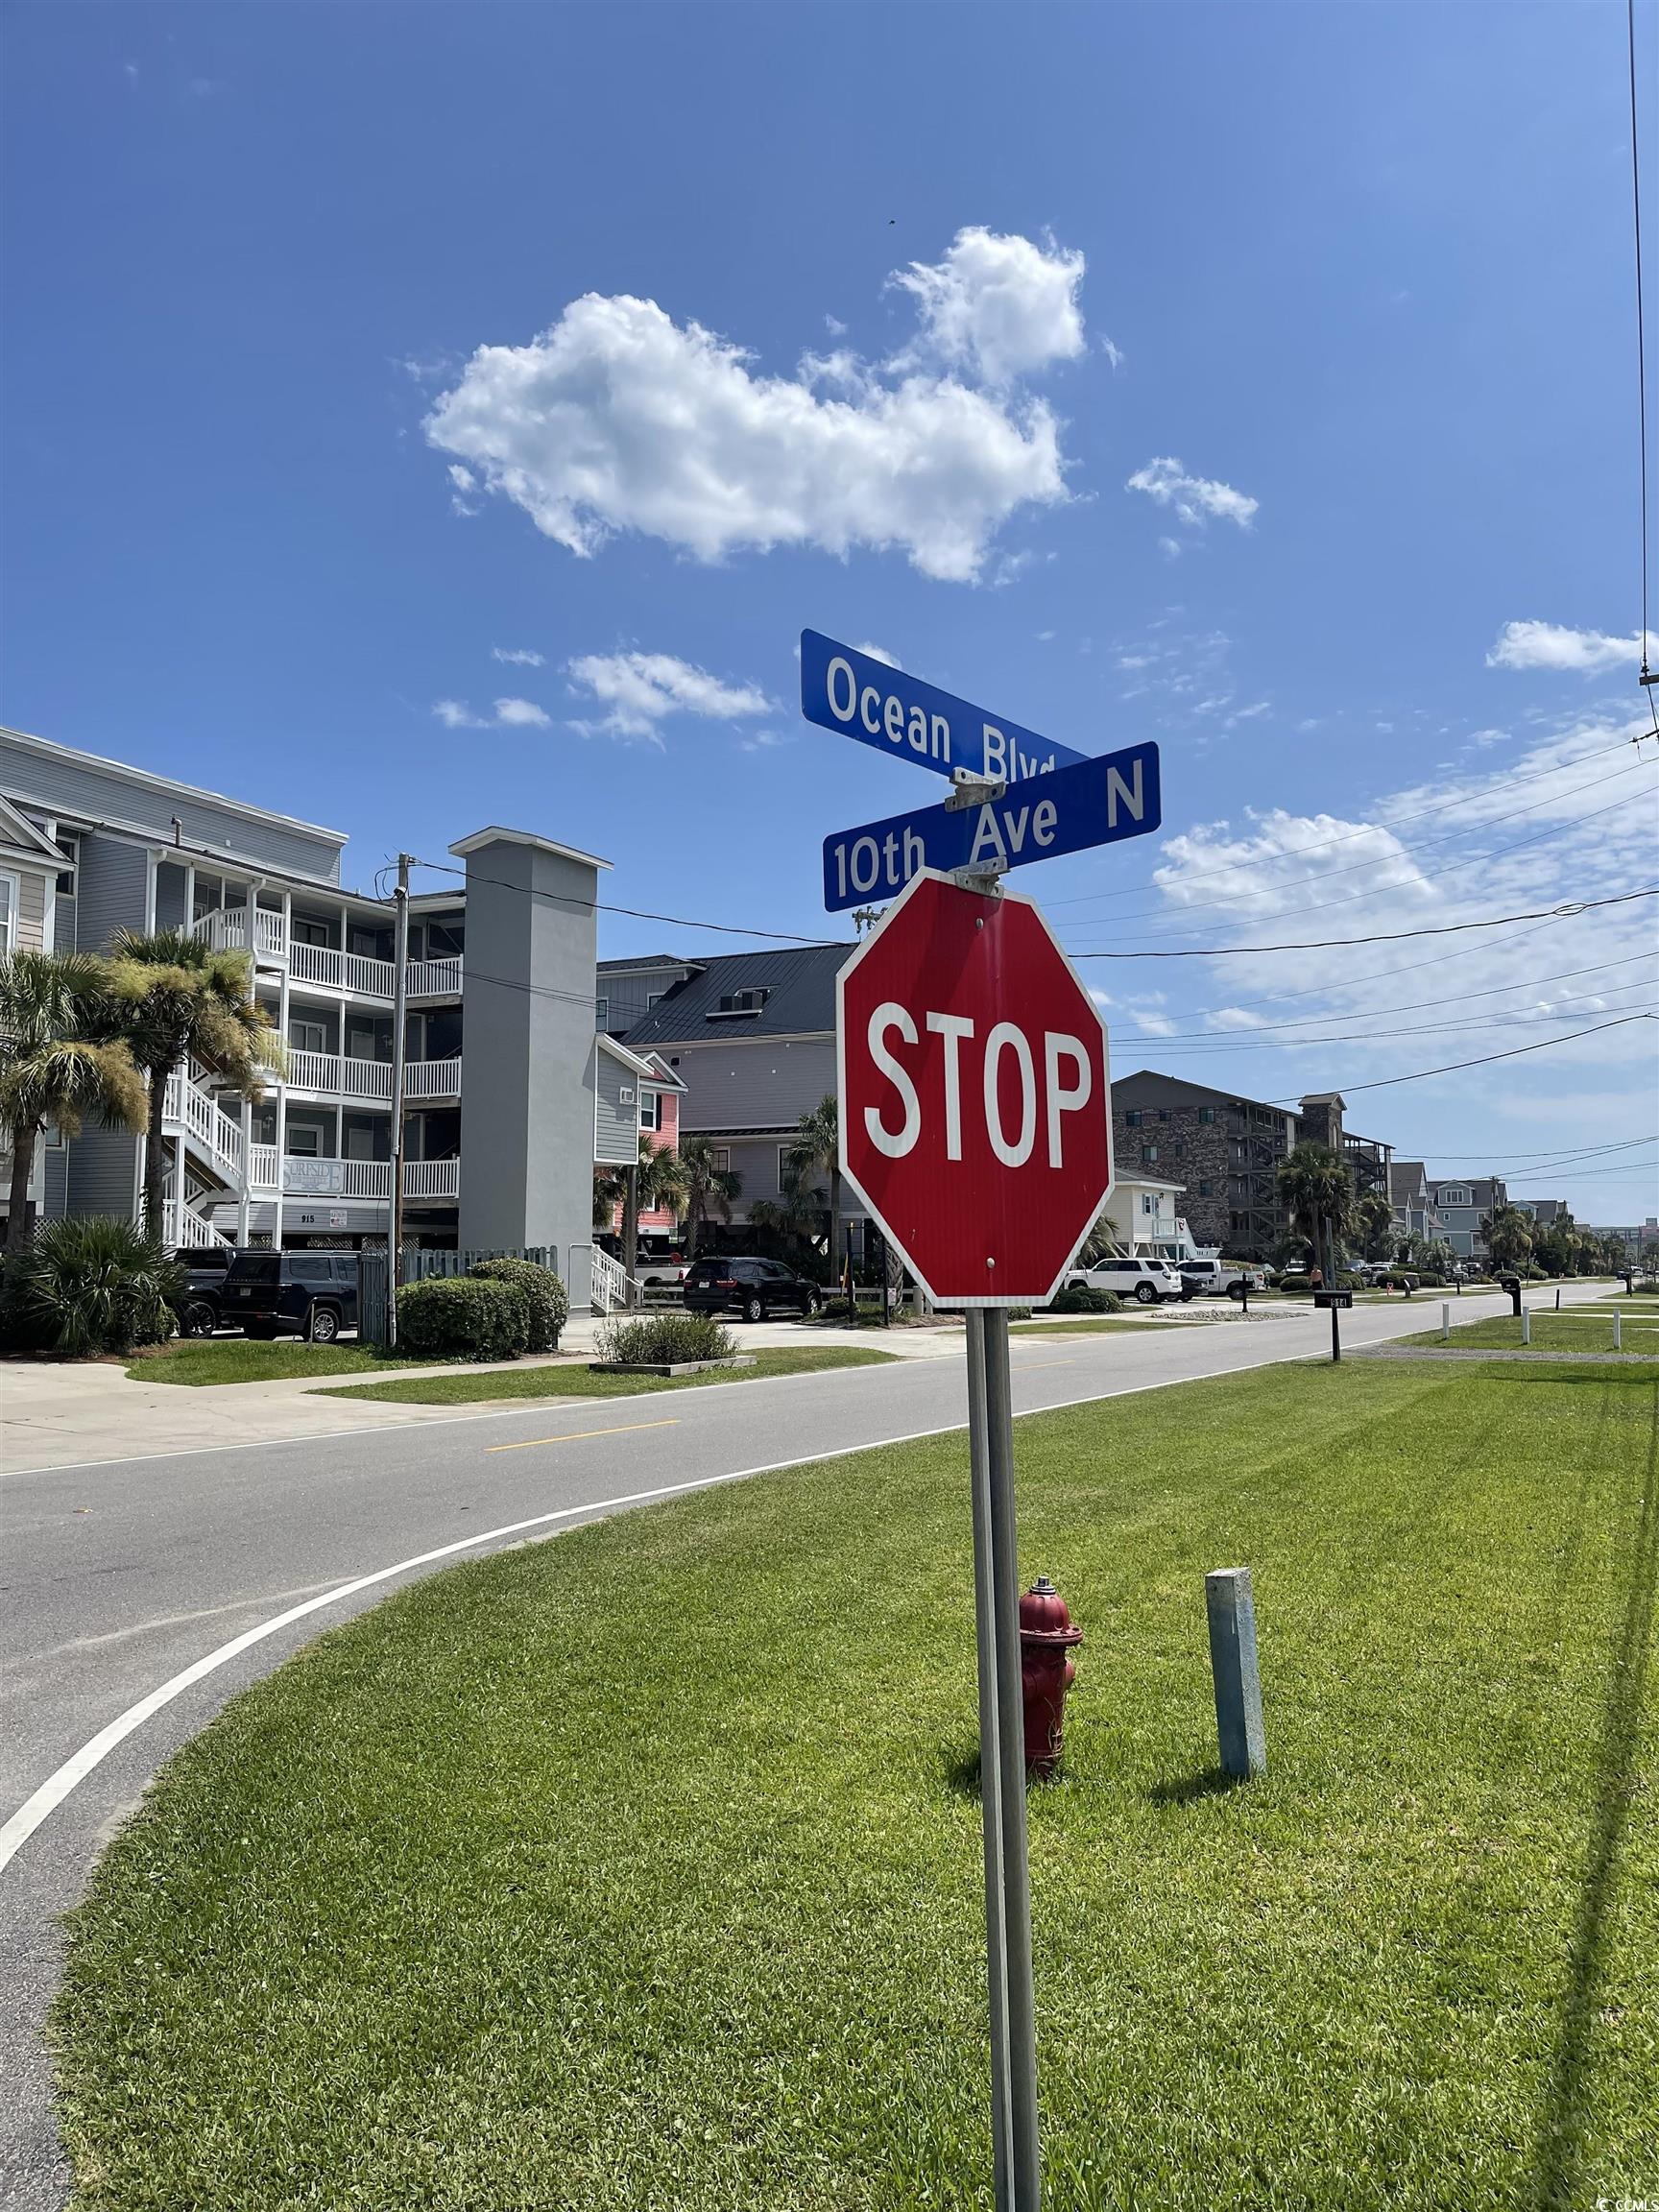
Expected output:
(205, 1167)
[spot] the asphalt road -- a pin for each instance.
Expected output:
(116, 1578)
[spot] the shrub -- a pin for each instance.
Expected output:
(1431, 1281)
(86, 1286)
(657, 1340)
(544, 1294)
(1294, 1283)
(460, 1317)
(1084, 1298)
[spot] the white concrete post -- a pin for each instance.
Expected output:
(1525, 1324)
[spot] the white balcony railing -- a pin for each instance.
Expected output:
(305, 1177)
(435, 979)
(226, 928)
(432, 1179)
(432, 1078)
(336, 1076)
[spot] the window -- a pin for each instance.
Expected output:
(654, 998)
(8, 913)
(1204, 1190)
(1207, 1114)
(1149, 1202)
(601, 1012)
(722, 1160)
(307, 1036)
(1162, 1112)
(1149, 1153)
(1453, 1194)
(650, 1109)
(305, 932)
(1133, 1117)
(748, 1001)
(304, 1141)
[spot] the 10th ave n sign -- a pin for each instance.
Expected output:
(975, 1094)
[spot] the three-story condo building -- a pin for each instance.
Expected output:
(510, 1099)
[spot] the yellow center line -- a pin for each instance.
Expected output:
(1030, 1367)
(580, 1435)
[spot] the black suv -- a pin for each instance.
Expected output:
(754, 1287)
(200, 1308)
(313, 1295)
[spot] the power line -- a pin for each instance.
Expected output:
(1379, 937)
(1456, 1067)
(1640, 345)
(1413, 1005)
(1323, 843)
(639, 913)
(1552, 1159)
(1423, 875)
(1225, 1046)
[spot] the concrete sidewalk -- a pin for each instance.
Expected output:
(65, 1414)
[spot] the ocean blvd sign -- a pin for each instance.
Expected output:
(845, 690)
(1095, 803)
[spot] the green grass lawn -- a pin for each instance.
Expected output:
(461, 1386)
(1588, 1330)
(641, 1870)
(197, 1361)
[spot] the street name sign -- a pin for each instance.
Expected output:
(865, 699)
(975, 1101)
(1095, 803)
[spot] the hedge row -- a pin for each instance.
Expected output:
(497, 1311)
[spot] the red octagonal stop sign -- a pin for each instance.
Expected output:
(975, 1095)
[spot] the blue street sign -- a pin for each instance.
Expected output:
(1096, 803)
(845, 690)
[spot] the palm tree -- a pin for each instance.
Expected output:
(176, 1000)
(709, 1189)
(1374, 1225)
(816, 1152)
(655, 1179)
(55, 1066)
(1507, 1235)
(1314, 1185)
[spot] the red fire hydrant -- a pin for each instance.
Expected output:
(1046, 1672)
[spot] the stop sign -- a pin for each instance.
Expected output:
(975, 1097)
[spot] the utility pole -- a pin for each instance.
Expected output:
(400, 1022)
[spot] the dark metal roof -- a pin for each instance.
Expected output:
(799, 984)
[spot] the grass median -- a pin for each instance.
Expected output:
(461, 1386)
(1583, 1328)
(199, 1363)
(643, 1868)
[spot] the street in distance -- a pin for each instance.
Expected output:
(845, 690)
(1095, 803)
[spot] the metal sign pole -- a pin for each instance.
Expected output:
(990, 1759)
(1027, 2176)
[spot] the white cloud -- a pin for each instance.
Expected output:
(763, 741)
(1576, 652)
(879, 653)
(516, 656)
(508, 715)
(1113, 353)
(521, 714)
(641, 691)
(1171, 549)
(1194, 499)
(617, 418)
(995, 306)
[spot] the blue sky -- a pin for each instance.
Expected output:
(352, 348)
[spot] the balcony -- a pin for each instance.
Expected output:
(305, 1177)
(228, 929)
(336, 1076)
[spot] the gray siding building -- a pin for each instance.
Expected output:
(501, 1086)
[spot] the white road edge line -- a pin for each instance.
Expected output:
(45, 1801)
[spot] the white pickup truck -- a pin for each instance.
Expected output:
(1209, 1278)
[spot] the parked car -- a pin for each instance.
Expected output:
(201, 1309)
(1209, 1278)
(1149, 1282)
(752, 1287)
(311, 1294)
(665, 1271)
